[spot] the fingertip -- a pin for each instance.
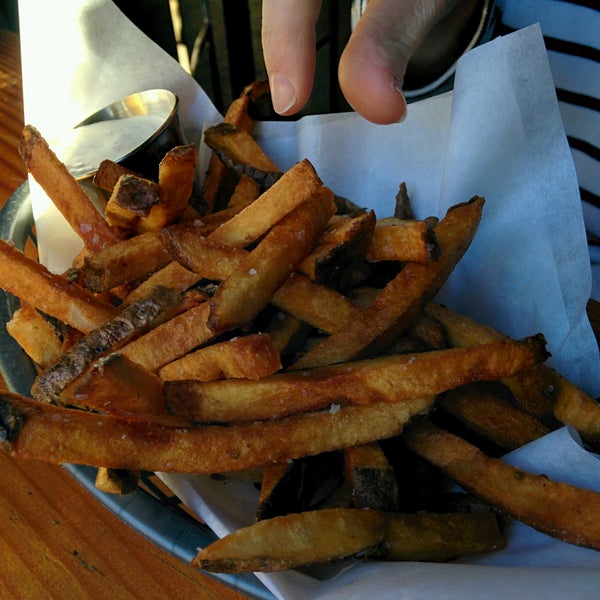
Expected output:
(283, 94)
(372, 91)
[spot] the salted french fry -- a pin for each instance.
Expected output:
(207, 258)
(295, 187)
(52, 294)
(396, 239)
(42, 431)
(401, 300)
(250, 287)
(318, 305)
(246, 191)
(109, 337)
(114, 384)
(126, 261)
(176, 174)
(252, 357)
(35, 334)
(391, 379)
(287, 332)
(561, 510)
(172, 339)
(64, 191)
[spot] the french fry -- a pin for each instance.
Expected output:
(330, 535)
(294, 541)
(172, 339)
(390, 379)
(173, 275)
(318, 305)
(295, 187)
(35, 334)
(236, 147)
(400, 301)
(176, 174)
(486, 412)
(116, 481)
(108, 173)
(107, 338)
(540, 390)
(371, 477)
(401, 240)
(115, 385)
(124, 262)
(52, 294)
(252, 357)
(131, 199)
(339, 257)
(250, 287)
(38, 430)
(561, 510)
(64, 191)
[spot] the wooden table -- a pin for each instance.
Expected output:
(57, 541)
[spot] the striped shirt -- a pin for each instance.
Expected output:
(571, 30)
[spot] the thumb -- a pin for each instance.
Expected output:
(373, 64)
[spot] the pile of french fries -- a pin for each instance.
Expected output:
(260, 325)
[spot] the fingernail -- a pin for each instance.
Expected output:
(283, 94)
(398, 88)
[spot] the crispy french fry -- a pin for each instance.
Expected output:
(235, 146)
(338, 258)
(116, 481)
(493, 416)
(35, 334)
(173, 275)
(403, 208)
(564, 511)
(386, 379)
(172, 339)
(115, 385)
(52, 294)
(64, 191)
(246, 191)
(130, 259)
(131, 199)
(176, 174)
(250, 287)
(287, 332)
(329, 535)
(108, 174)
(372, 478)
(396, 239)
(540, 390)
(400, 301)
(39, 430)
(253, 357)
(295, 540)
(107, 338)
(295, 187)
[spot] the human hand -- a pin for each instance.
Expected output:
(373, 64)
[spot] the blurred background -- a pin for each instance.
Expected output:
(218, 42)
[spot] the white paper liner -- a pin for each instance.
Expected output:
(498, 135)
